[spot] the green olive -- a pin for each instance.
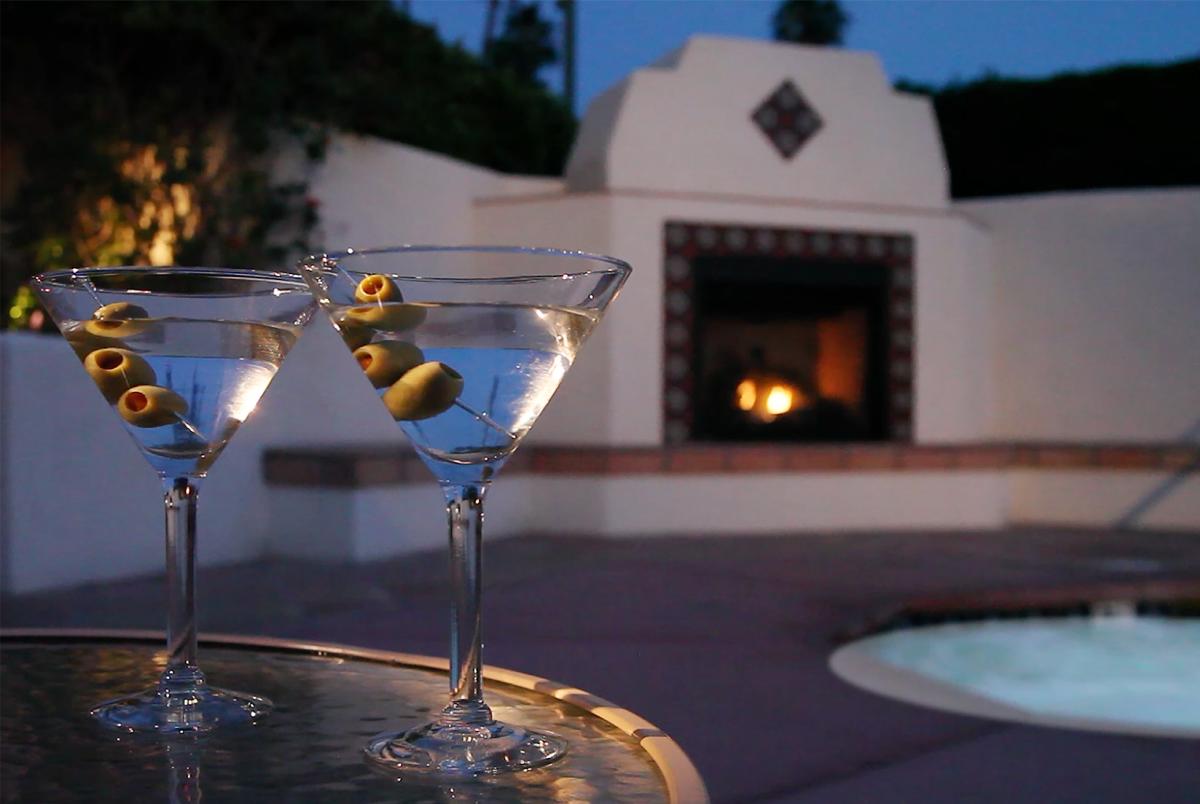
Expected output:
(109, 326)
(384, 362)
(151, 406)
(377, 288)
(111, 331)
(424, 391)
(120, 311)
(388, 317)
(115, 371)
(354, 335)
(84, 341)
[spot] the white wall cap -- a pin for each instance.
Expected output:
(684, 125)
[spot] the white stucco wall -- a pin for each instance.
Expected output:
(378, 193)
(80, 503)
(1097, 314)
(1064, 317)
(684, 125)
(579, 411)
(653, 505)
(361, 524)
(615, 394)
(1152, 500)
(951, 344)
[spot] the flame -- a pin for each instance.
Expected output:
(764, 398)
(747, 394)
(779, 400)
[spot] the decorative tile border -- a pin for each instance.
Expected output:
(683, 242)
(363, 467)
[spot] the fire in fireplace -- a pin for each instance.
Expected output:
(789, 351)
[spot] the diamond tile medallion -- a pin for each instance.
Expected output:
(787, 119)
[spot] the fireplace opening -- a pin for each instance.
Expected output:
(789, 350)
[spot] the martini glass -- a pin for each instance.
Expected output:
(182, 355)
(464, 346)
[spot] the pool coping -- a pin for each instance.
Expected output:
(1166, 596)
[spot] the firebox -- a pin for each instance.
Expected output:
(787, 335)
(789, 351)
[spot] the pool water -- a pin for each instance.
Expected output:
(1133, 674)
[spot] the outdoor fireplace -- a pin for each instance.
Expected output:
(787, 335)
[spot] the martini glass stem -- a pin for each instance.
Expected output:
(180, 508)
(464, 510)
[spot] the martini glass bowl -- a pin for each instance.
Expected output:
(182, 356)
(464, 346)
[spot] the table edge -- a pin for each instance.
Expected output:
(684, 784)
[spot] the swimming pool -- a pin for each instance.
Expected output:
(1125, 673)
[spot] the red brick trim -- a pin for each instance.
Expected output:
(342, 467)
(357, 467)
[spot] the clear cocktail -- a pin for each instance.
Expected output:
(182, 355)
(465, 347)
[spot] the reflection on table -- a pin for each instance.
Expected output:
(327, 705)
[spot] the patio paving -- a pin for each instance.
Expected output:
(723, 643)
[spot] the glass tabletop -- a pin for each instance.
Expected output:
(308, 749)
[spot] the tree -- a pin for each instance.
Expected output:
(526, 44)
(1114, 127)
(157, 146)
(567, 7)
(127, 159)
(489, 25)
(810, 22)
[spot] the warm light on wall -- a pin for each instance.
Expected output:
(842, 350)
(152, 225)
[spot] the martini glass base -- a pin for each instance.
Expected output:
(191, 712)
(461, 750)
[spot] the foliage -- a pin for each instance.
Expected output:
(810, 22)
(139, 139)
(147, 131)
(380, 73)
(526, 44)
(1117, 127)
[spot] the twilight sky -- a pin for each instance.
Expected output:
(932, 41)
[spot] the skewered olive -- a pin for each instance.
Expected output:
(377, 288)
(120, 311)
(115, 371)
(110, 325)
(113, 329)
(354, 335)
(384, 362)
(388, 317)
(151, 406)
(424, 391)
